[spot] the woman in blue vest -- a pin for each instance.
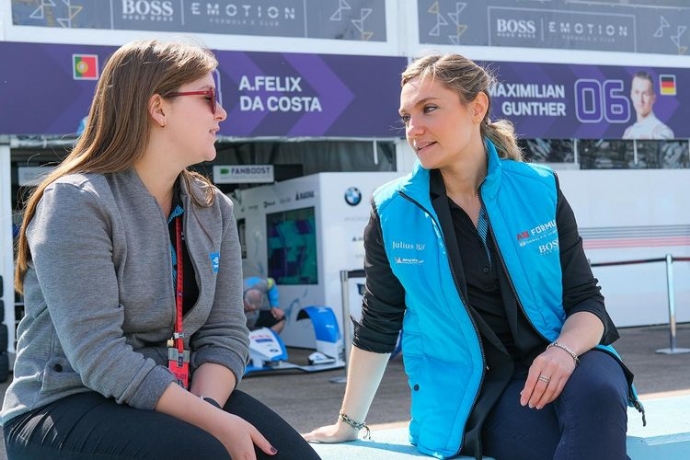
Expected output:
(476, 256)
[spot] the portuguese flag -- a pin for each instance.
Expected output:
(85, 66)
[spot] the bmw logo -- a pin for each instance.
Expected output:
(353, 196)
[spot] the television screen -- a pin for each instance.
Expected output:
(291, 246)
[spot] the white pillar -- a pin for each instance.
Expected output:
(6, 251)
(405, 156)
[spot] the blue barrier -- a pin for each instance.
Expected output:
(666, 436)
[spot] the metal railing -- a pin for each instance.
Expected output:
(673, 349)
(346, 275)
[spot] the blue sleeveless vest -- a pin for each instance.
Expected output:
(442, 351)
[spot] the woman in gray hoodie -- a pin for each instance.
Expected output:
(134, 335)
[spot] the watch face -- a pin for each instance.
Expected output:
(212, 402)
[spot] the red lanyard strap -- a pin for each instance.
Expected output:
(179, 333)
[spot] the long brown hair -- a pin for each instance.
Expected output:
(118, 127)
(467, 79)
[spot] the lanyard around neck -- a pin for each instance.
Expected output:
(179, 334)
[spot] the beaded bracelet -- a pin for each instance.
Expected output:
(567, 350)
(356, 425)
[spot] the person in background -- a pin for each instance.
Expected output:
(134, 337)
(261, 304)
(476, 256)
(643, 97)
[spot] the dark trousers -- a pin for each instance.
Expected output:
(588, 421)
(89, 426)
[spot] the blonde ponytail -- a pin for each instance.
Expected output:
(502, 134)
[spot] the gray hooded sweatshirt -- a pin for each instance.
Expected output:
(99, 294)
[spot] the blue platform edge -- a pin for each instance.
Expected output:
(666, 436)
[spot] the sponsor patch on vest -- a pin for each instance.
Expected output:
(548, 247)
(408, 261)
(545, 235)
(405, 247)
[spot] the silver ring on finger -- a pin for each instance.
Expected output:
(544, 379)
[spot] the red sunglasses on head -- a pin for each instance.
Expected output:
(211, 93)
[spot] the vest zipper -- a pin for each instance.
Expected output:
(485, 368)
(510, 280)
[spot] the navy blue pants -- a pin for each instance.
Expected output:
(588, 421)
(89, 426)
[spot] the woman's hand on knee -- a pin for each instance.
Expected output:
(546, 379)
(340, 432)
(239, 437)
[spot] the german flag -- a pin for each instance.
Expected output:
(667, 85)
(85, 66)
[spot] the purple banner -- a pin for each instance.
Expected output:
(561, 101)
(47, 89)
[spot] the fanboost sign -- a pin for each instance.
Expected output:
(243, 174)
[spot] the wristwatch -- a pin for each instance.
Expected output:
(211, 401)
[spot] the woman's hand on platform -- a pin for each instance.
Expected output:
(340, 432)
